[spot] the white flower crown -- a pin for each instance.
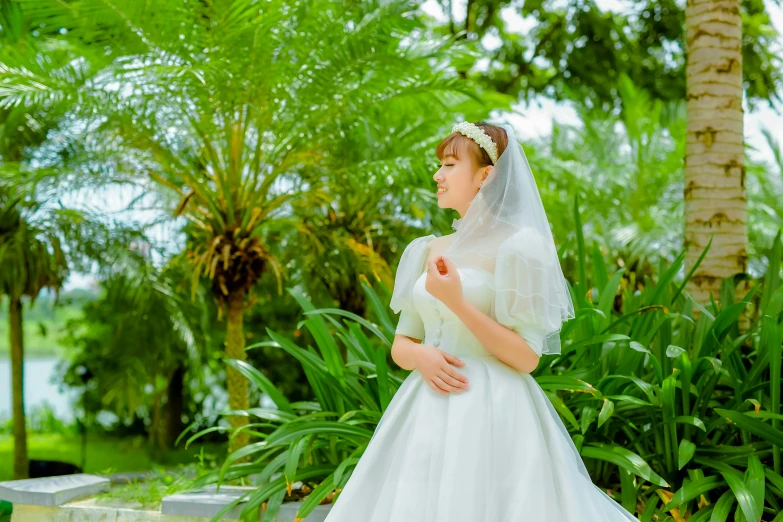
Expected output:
(479, 136)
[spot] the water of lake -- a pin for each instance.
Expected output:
(38, 372)
(38, 390)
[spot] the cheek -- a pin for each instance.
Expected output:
(460, 184)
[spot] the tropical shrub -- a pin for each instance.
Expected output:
(318, 440)
(674, 409)
(696, 398)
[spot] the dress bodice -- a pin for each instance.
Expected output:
(442, 327)
(522, 305)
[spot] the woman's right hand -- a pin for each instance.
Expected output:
(435, 366)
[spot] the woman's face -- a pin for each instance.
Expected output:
(458, 181)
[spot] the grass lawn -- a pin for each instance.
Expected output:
(41, 335)
(104, 454)
(43, 322)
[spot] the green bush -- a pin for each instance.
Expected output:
(317, 441)
(6, 509)
(676, 413)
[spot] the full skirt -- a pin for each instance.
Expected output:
(496, 452)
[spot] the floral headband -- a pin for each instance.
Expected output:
(479, 136)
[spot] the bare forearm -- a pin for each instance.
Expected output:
(404, 351)
(505, 344)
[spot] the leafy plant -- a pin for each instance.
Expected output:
(698, 400)
(236, 112)
(314, 440)
(678, 417)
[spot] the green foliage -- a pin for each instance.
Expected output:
(129, 345)
(235, 112)
(6, 509)
(43, 325)
(107, 453)
(681, 388)
(578, 50)
(676, 411)
(634, 162)
(31, 252)
(328, 434)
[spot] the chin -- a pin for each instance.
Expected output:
(445, 202)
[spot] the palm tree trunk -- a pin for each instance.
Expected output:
(715, 197)
(154, 437)
(21, 462)
(174, 402)
(235, 381)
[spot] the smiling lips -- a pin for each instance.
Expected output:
(441, 190)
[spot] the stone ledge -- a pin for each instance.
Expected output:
(63, 499)
(206, 502)
(52, 491)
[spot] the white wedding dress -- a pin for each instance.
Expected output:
(497, 452)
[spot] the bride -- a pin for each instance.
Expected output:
(470, 436)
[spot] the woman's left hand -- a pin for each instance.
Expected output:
(443, 281)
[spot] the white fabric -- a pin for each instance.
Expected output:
(497, 452)
(521, 314)
(505, 232)
(410, 325)
(523, 303)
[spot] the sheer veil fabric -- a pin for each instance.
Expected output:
(505, 232)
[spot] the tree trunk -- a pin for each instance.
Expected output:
(21, 462)
(715, 197)
(235, 381)
(154, 437)
(174, 405)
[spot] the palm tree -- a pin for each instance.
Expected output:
(35, 95)
(715, 196)
(137, 342)
(32, 259)
(363, 224)
(236, 109)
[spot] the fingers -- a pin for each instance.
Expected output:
(454, 377)
(438, 385)
(443, 385)
(447, 379)
(436, 388)
(437, 267)
(448, 263)
(453, 359)
(432, 266)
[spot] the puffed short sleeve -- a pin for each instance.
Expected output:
(410, 324)
(411, 266)
(525, 299)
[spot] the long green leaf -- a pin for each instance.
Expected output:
(556, 383)
(738, 487)
(754, 426)
(685, 453)
(723, 507)
(287, 432)
(693, 490)
(754, 478)
(382, 372)
(262, 381)
(625, 459)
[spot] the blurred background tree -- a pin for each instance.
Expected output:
(292, 147)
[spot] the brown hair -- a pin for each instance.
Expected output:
(454, 142)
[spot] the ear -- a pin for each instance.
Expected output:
(486, 172)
